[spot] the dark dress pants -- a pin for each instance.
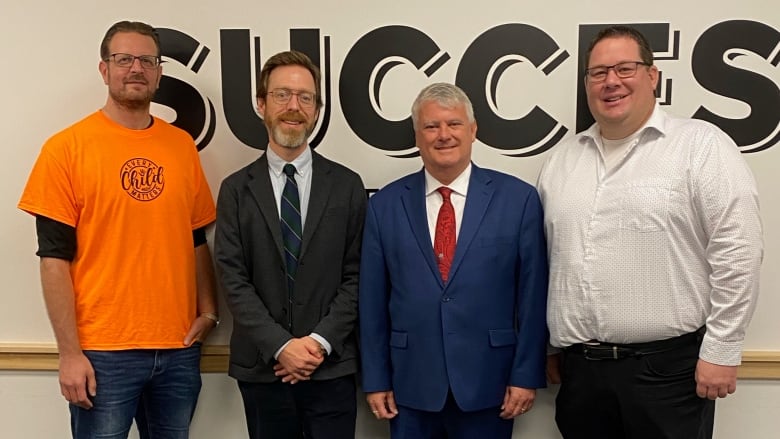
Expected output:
(450, 423)
(649, 397)
(321, 409)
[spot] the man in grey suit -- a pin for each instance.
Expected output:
(289, 229)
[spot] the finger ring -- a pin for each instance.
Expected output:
(375, 412)
(522, 410)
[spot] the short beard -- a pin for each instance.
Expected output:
(132, 104)
(290, 140)
(135, 103)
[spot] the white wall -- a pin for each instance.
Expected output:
(31, 407)
(49, 80)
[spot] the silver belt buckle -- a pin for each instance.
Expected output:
(586, 351)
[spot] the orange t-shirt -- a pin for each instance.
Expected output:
(134, 197)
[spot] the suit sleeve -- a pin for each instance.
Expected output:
(339, 322)
(373, 304)
(245, 304)
(531, 352)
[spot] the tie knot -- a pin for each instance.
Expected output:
(445, 192)
(289, 170)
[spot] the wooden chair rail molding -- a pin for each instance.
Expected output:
(43, 356)
(763, 365)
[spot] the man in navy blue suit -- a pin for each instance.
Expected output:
(453, 287)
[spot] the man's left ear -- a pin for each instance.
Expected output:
(159, 76)
(653, 72)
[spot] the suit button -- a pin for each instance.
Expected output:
(284, 311)
(445, 299)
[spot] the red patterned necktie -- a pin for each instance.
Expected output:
(444, 242)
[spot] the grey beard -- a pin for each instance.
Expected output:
(289, 140)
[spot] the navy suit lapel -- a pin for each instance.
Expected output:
(321, 185)
(414, 205)
(259, 185)
(477, 200)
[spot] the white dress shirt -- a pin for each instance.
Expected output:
(302, 165)
(303, 171)
(434, 200)
(663, 243)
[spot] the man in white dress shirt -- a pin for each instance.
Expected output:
(655, 247)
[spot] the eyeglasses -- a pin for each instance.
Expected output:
(283, 95)
(625, 69)
(127, 60)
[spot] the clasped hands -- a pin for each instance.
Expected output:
(299, 359)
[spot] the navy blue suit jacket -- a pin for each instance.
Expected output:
(482, 331)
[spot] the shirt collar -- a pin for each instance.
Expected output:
(460, 185)
(302, 163)
(657, 122)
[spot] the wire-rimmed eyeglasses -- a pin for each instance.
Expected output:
(283, 95)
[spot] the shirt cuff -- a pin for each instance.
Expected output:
(723, 353)
(321, 340)
(279, 351)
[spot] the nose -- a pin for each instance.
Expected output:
(444, 131)
(136, 65)
(612, 77)
(293, 103)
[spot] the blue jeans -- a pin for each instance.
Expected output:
(159, 388)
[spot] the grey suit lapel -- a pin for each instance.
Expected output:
(259, 185)
(320, 189)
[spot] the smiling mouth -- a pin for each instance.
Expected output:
(614, 98)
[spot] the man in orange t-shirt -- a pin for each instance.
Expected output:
(121, 203)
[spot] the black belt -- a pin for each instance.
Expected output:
(596, 350)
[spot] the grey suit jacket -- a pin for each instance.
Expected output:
(250, 262)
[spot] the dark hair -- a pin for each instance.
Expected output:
(645, 52)
(444, 94)
(128, 26)
(289, 58)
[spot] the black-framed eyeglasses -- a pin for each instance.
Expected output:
(625, 69)
(127, 60)
(283, 95)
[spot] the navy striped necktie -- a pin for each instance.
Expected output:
(291, 224)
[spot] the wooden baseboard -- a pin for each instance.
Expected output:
(761, 365)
